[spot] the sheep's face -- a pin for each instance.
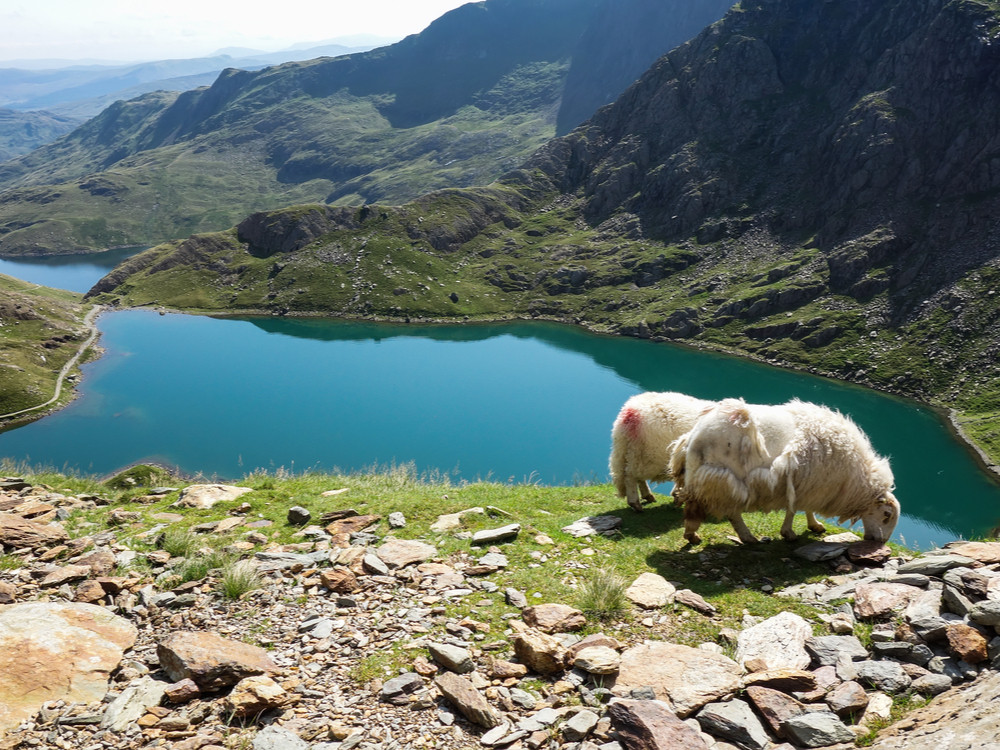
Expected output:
(880, 521)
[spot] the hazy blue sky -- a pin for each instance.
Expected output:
(140, 30)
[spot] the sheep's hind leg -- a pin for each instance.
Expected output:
(694, 514)
(647, 495)
(746, 536)
(813, 524)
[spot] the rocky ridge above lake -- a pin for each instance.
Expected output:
(296, 662)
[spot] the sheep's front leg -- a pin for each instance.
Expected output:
(745, 535)
(632, 495)
(647, 494)
(787, 532)
(677, 494)
(814, 525)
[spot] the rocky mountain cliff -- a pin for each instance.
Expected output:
(811, 183)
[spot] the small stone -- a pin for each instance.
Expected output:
(495, 536)
(554, 618)
(847, 699)
(736, 722)
(967, 643)
(650, 591)
(456, 659)
(817, 729)
(254, 695)
(298, 516)
(396, 520)
(597, 660)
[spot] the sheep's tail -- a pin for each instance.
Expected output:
(623, 434)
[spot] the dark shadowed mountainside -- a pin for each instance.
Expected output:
(620, 45)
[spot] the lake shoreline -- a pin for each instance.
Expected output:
(946, 414)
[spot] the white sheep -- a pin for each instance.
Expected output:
(797, 456)
(640, 440)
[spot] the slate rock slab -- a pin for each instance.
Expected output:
(51, 651)
(605, 525)
(651, 725)
(211, 661)
(685, 678)
(19, 532)
(778, 641)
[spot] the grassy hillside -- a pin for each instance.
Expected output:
(40, 330)
(459, 104)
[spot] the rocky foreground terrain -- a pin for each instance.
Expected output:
(101, 647)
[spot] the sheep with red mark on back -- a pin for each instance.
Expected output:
(640, 440)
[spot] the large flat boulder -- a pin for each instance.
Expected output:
(685, 678)
(52, 651)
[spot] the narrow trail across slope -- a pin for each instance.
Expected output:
(88, 321)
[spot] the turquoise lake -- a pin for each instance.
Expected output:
(529, 402)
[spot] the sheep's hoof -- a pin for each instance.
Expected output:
(647, 499)
(789, 536)
(693, 538)
(818, 529)
(637, 507)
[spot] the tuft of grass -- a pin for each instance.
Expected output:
(179, 542)
(602, 594)
(197, 567)
(10, 562)
(239, 578)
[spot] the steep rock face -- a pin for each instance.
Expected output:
(844, 121)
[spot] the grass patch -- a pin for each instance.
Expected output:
(237, 579)
(602, 594)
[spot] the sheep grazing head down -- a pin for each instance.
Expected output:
(881, 519)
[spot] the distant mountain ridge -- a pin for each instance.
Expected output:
(82, 91)
(457, 105)
(812, 183)
(22, 132)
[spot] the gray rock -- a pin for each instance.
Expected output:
(278, 738)
(817, 729)
(299, 516)
(375, 565)
(451, 657)
(935, 565)
(828, 649)
(923, 614)
(579, 726)
(604, 525)
(847, 699)
(523, 698)
(947, 666)
(398, 690)
(734, 721)
(820, 551)
(887, 676)
(397, 520)
(911, 653)
(986, 613)
(515, 598)
(132, 703)
(460, 692)
(494, 560)
(493, 536)
(931, 684)
(953, 600)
